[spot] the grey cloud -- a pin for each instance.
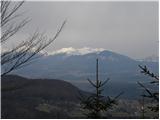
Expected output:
(129, 28)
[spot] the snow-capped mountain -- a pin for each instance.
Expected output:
(76, 64)
(76, 51)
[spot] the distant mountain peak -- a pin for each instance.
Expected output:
(152, 58)
(77, 51)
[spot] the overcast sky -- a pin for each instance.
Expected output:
(129, 28)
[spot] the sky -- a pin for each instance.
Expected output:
(129, 28)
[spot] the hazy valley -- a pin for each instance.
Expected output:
(122, 71)
(79, 60)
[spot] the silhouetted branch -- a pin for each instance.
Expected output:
(26, 50)
(154, 95)
(151, 95)
(147, 72)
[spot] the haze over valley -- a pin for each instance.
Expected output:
(77, 65)
(76, 60)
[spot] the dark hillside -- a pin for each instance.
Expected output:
(21, 96)
(51, 98)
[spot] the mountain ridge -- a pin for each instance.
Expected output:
(63, 66)
(37, 98)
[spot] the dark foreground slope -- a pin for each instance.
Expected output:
(51, 98)
(37, 98)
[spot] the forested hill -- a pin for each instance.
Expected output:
(22, 97)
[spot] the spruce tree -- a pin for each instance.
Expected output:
(96, 103)
(151, 94)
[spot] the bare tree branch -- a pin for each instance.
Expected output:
(26, 50)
